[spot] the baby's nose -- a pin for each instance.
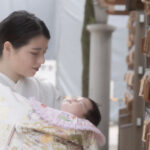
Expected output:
(76, 100)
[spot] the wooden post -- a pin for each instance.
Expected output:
(138, 103)
(88, 19)
(134, 5)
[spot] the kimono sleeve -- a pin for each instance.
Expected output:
(49, 94)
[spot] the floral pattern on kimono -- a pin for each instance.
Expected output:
(41, 136)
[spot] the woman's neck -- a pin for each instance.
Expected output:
(9, 73)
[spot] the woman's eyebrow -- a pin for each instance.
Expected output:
(38, 48)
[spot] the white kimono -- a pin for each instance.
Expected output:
(46, 93)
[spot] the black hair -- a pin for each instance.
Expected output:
(93, 115)
(19, 27)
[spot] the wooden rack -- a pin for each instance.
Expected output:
(134, 103)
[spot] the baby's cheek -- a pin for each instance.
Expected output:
(78, 111)
(64, 107)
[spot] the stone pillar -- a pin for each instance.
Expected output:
(99, 79)
(101, 15)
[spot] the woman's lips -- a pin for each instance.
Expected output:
(36, 69)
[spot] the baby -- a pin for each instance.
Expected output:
(76, 114)
(82, 107)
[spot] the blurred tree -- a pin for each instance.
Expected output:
(89, 18)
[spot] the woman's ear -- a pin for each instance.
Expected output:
(7, 48)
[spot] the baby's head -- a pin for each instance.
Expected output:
(82, 107)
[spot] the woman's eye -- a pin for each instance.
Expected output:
(34, 53)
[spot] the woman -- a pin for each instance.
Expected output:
(23, 43)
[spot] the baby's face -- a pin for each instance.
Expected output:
(78, 106)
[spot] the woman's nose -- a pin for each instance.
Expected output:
(41, 59)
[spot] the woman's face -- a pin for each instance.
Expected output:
(26, 61)
(78, 106)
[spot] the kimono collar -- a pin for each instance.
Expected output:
(5, 80)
